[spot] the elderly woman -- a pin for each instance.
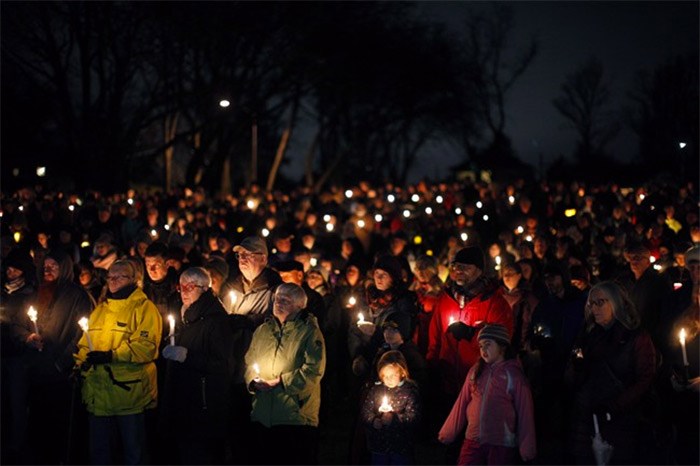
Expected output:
(613, 366)
(286, 361)
(117, 356)
(196, 397)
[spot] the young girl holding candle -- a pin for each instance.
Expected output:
(391, 412)
(495, 404)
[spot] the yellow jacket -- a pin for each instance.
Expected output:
(131, 328)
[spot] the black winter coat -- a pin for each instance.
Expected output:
(196, 395)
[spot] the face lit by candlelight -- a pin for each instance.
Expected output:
(382, 280)
(390, 375)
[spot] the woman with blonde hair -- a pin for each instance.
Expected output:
(613, 366)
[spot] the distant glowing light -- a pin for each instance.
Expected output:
(429, 252)
(528, 238)
(360, 223)
(326, 218)
(71, 207)
(519, 230)
(652, 259)
(378, 218)
(223, 103)
(313, 262)
(166, 227)
(391, 198)
(428, 210)
(85, 244)
(130, 201)
(265, 232)
(511, 200)
(570, 213)
(21, 208)
(417, 239)
(40, 171)
(250, 204)
(458, 211)
(406, 213)
(415, 198)
(479, 204)
(682, 144)
(154, 233)
(17, 236)
(439, 199)
(464, 237)
(657, 267)
(486, 218)
(329, 227)
(348, 193)
(239, 230)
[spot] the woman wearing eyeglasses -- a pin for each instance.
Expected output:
(118, 363)
(195, 401)
(613, 365)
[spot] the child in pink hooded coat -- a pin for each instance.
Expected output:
(495, 404)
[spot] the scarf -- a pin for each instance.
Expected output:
(464, 294)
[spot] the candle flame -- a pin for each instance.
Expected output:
(352, 301)
(232, 296)
(83, 322)
(256, 368)
(360, 317)
(171, 319)
(452, 320)
(33, 315)
(681, 336)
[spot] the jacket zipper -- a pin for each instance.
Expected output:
(204, 393)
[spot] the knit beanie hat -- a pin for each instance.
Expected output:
(470, 255)
(21, 260)
(495, 332)
(390, 265)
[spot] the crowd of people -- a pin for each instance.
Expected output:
(499, 323)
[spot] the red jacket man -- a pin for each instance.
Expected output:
(468, 302)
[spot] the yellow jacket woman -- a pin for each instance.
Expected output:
(124, 332)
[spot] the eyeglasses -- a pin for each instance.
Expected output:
(188, 287)
(51, 267)
(596, 302)
(247, 255)
(116, 278)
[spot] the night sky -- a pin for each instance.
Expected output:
(625, 36)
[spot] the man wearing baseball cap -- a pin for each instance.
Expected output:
(469, 301)
(254, 289)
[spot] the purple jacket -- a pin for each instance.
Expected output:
(497, 408)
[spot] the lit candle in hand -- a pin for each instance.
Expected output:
(232, 297)
(360, 318)
(83, 322)
(452, 321)
(352, 301)
(385, 407)
(33, 316)
(171, 319)
(681, 337)
(256, 368)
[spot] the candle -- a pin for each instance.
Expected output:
(681, 337)
(232, 298)
(452, 321)
(33, 315)
(83, 322)
(171, 319)
(360, 318)
(385, 406)
(256, 368)
(352, 301)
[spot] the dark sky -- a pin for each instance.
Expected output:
(626, 36)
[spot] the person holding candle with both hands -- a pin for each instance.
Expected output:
(120, 373)
(391, 412)
(285, 363)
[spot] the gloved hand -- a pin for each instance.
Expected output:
(99, 357)
(462, 331)
(603, 413)
(175, 353)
